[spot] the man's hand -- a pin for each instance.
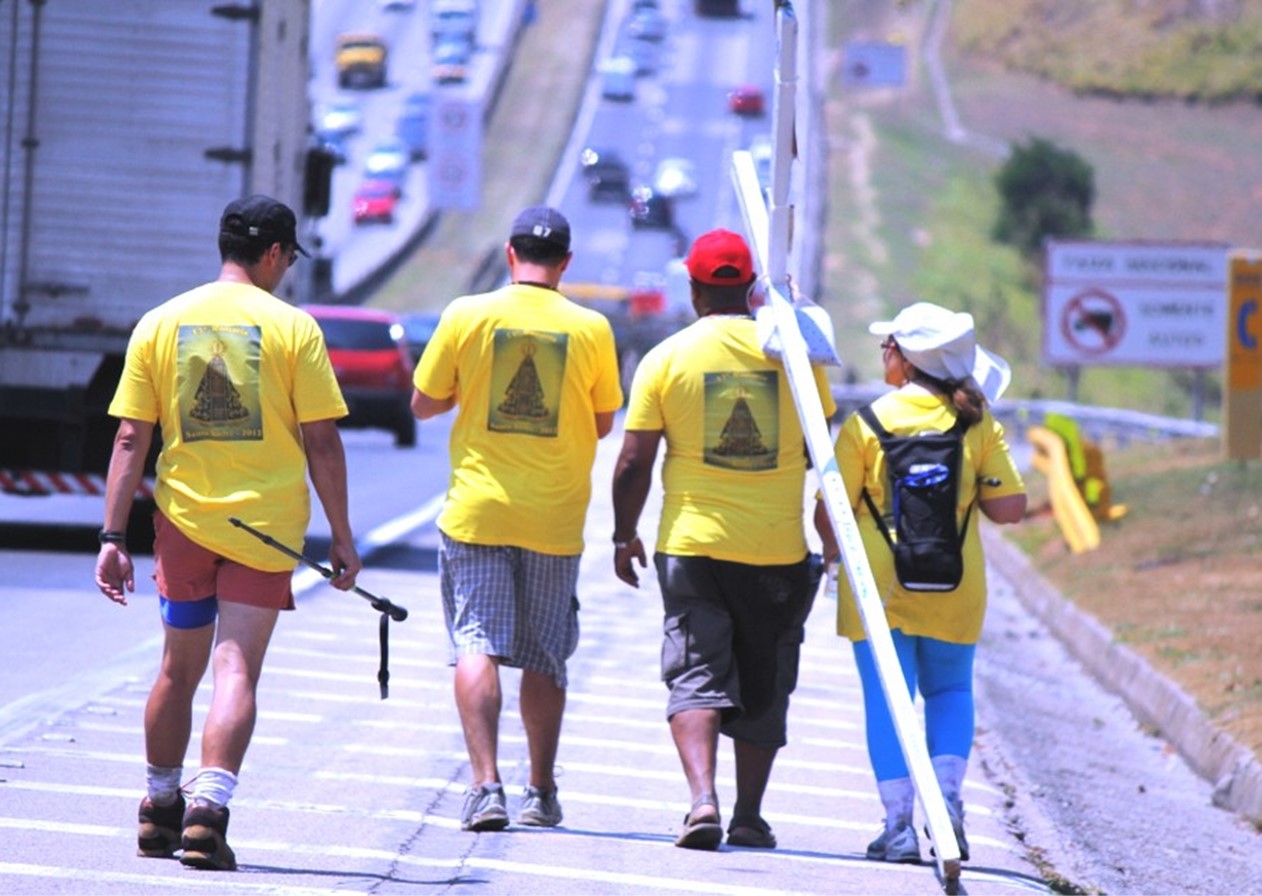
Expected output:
(828, 539)
(344, 560)
(115, 574)
(622, 558)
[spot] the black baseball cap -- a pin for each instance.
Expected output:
(544, 223)
(260, 217)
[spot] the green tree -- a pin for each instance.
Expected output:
(1044, 191)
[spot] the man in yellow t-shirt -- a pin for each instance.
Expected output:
(731, 553)
(534, 378)
(241, 385)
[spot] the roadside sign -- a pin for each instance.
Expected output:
(1242, 397)
(455, 156)
(869, 63)
(1144, 303)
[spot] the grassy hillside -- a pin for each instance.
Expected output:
(910, 214)
(910, 211)
(1203, 50)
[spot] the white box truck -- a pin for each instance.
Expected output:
(128, 126)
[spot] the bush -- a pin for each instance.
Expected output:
(1044, 192)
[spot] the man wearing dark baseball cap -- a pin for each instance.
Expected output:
(544, 226)
(731, 554)
(238, 383)
(263, 220)
(535, 383)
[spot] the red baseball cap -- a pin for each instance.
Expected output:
(721, 258)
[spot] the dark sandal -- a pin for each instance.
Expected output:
(702, 833)
(752, 831)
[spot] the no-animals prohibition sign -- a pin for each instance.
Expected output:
(1093, 321)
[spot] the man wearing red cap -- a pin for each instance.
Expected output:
(731, 555)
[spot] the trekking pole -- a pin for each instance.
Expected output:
(387, 609)
(770, 233)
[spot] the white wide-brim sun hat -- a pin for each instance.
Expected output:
(943, 344)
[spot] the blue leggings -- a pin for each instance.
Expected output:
(944, 673)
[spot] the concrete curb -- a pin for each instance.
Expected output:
(1233, 769)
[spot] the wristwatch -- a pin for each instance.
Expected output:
(109, 536)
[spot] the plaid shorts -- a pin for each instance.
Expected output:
(511, 603)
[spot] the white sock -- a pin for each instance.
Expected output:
(163, 784)
(213, 785)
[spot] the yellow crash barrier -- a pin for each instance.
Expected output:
(1077, 484)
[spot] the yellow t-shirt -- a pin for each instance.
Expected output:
(530, 370)
(230, 371)
(954, 616)
(735, 463)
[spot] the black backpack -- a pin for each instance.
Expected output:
(924, 483)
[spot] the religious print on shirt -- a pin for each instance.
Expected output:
(742, 420)
(218, 380)
(527, 370)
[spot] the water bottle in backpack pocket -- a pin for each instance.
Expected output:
(923, 480)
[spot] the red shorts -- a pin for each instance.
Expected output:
(184, 570)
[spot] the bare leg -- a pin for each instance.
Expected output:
(542, 708)
(696, 734)
(169, 710)
(753, 770)
(240, 645)
(479, 700)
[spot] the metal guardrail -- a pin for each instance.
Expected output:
(1097, 422)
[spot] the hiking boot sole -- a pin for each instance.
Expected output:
(206, 849)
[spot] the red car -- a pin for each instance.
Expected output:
(747, 99)
(375, 201)
(373, 366)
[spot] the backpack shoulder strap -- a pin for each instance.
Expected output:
(882, 434)
(958, 429)
(869, 417)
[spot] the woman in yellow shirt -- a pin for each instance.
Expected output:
(939, 374)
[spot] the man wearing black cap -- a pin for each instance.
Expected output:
(731, 555)
(534, 380)
(240, 383)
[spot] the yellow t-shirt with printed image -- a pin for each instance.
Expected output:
(530, 370)
(735, 464)
(987, 470)
(230, 371)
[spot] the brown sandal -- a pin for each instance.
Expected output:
(752, 831)
(705, 832)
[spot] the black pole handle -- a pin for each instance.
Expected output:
(380, 604)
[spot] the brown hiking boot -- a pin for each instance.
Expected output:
(158, 836)
(205, 838)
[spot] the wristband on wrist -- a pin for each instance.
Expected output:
(109, 536)
(619, 545)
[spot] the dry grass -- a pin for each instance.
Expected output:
(1203, 50)
(1178, 577)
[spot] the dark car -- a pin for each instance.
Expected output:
(412, 126)
(373, 366)
(607, 175)
(651, 210)
(418, 328)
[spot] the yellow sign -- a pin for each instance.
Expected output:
(1242, 401)
(1244, 358)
